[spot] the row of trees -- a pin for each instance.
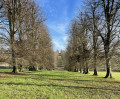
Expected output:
(94, 36)
(23, 32)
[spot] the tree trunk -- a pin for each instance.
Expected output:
(13, 55)
(11, 19)
(108, 74)
(80, 70)
(14, 61)
(95, 72)
(15, 70)
(95, 38)
(95, 69)
(75, 70)
(21, 68)
(95, 55)
(86, 69)
(37, 67)
(108, 68)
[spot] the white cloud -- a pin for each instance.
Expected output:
(58, 28)
(58, 21)
(43, 2)
(58, 45)
(60, 40)
(65, 38)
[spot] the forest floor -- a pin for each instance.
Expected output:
(58, 85)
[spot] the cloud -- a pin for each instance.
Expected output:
(59, 14)
(65, 38)
(43, 3)
(59, 28)
(59, 36)
(58, 45)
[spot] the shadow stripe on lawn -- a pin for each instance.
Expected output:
(54, 85)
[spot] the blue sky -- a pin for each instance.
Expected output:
(59, 14)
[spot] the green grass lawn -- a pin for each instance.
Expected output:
(58, 85)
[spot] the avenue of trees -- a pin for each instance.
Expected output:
(94, 38)
(23, 32)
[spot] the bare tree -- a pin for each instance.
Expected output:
(78, 52)
(94, 17)
(110, 31)
(26, 34)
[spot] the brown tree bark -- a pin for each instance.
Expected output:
(108, 67)
(11, 19)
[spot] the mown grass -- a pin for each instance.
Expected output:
(58, 85)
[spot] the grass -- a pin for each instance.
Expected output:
(59, 63)
(58, 85)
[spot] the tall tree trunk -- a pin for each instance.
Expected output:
(80, 70)
(21, 68)
(11, 17)
(108, 68)
(95, 54)
(13, 61)
(84, 66)
(95, 37)
(37, 67)
(95, 72)
(95, 69)
(86, 69)
(110, 21)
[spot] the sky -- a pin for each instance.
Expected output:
(59, 14)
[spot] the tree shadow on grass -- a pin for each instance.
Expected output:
(63, 86)
(49, 75)
(66, 78)
(88, 81)
(70, 80)
(11, 73)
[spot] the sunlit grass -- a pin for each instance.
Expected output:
(58, 85)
